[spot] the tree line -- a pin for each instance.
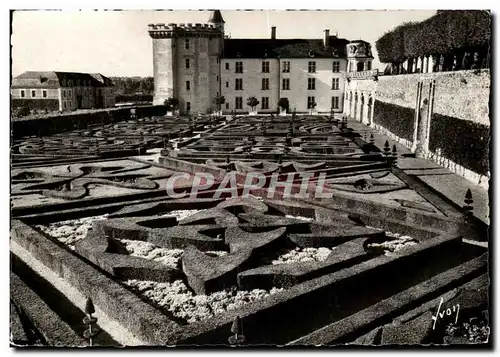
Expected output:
(133, 89)
(449, 33)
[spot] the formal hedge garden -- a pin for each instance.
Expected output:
(463, 142)
(462, 36)
(398, 120)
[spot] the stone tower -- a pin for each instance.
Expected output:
(186, 62)
(359, 56)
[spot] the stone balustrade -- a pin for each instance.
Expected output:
(363, 74)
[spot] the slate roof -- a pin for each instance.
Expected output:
(284, 48)
(54, 79)
(216, 17)
(107, 82)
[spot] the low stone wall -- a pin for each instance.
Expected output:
(64, 122)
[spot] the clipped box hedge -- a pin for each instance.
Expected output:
(464, 142)
(398, 120)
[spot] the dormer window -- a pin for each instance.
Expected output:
(311, 53)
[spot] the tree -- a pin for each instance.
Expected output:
(219, 101)
(23, 111)
(284, 104)
(312, 106)
(252, 102)
(171, 103)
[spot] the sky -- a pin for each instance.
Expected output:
(116, 43)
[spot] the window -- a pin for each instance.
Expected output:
(188, 106)
(286, 66)
(311, 83)
(239, 102)
(64, 94)
(187, 63)
(310, 102)
(336, 66)
(239, 67)
(238, 84)
(22, 93)
(227, 84)
(64, 104)
(368, 66)
(335, 102)
(335, 83)
(227, 66)
(188, 85)
(265, 102)
(312, 67)
(186, 44)
(44, 93)
(265, 83)
(217, 78)
(286, 84)
(33, 93)
(69, 93)
(265, 67)
(227, 106)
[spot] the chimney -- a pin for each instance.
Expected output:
(273, 33)
(326, 41)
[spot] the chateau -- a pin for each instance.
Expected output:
(196, 63)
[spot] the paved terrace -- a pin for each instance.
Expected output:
(440, 179)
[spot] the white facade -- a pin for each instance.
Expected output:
(199, 72)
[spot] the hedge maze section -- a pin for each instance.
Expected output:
(270, 265)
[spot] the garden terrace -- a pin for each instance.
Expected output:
(165, 270)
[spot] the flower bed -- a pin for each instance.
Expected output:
(396, 243)
(179, 300)
(71, 231)
(300, 255)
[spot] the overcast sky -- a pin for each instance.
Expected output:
(116, 43)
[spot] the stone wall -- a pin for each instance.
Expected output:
(440, 116)
(163, 69)
(460, 94)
